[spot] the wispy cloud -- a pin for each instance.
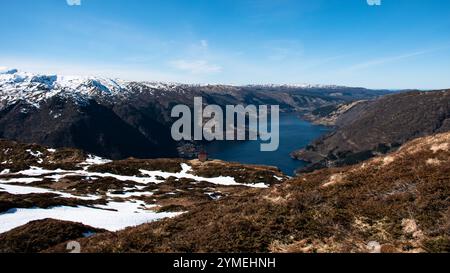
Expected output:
(281, 50)
(196, 66)
(390, 59)
(198, 49)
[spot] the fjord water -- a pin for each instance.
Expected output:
(294, 134)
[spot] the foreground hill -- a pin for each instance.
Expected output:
(119, 119)
(394, 203)
(368, 128)
(42, 234)
(38, 183)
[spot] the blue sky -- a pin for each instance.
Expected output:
(400, 44)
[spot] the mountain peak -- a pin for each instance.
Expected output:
(6, 71)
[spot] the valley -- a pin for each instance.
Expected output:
(93, 160)
(294, 133)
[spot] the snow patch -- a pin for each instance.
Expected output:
(22, 190)
(23, 180)
(334, 179)
(278, 178)
(221, 180)
(148, 176)
(440, 147)
(35, 154)
(388, 160)
(112, 217)
(433, 161)
(95, 160)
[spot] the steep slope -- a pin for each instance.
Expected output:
(369, 128)
(92, 127)
(118, 119)
(394, 203)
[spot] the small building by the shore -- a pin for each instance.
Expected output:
(203, 156)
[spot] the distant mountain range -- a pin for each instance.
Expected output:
(118, 119)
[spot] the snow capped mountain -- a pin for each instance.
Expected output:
(13, 79)
(35, 88)
(6, 71)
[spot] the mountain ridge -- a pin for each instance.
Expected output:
(370, 128)
(60, 112)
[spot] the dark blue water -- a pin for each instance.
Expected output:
(294, 134)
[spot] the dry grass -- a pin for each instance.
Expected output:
(246, 174)
(16, 156)
(400, 201)
(404, 206)
(40, 235)
(132, 166)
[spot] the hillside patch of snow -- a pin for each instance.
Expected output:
(35, 154)
(21, 190)
(147, 178)
(221, 180)
(112, 217)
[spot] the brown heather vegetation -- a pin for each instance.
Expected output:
(16, 157)
(171, 195)
(401, 201)
(132, 166)
(43, 200)
(245, 174)
(242, 173)
(39, 235)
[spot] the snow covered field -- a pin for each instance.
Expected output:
(146, 178)
(122, 210)
(112, 217)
